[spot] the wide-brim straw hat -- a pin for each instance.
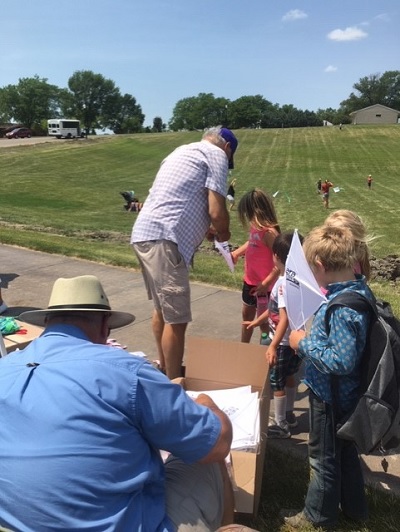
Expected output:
(78, 294)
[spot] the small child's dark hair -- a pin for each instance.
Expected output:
(282, 243)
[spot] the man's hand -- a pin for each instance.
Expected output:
(211, 234)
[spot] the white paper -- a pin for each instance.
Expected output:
(241, 405)
(223, 248)
(302, 294)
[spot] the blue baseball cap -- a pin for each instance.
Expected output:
(233, 141)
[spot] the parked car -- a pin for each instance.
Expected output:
(19, 133)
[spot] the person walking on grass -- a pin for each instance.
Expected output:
(230, 195)
(369, 181)
(284, 364)
(256, 211)
(325, 188)
(336, 479)
(186, 204)
(83, 425)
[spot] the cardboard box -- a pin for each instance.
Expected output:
(220, 364)
(19, 341)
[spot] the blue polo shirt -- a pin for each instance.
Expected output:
(81, 426)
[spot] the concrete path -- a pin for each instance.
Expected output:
(27, 279)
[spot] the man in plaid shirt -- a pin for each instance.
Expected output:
(185, 204)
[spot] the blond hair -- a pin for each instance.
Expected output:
(353, 222)
(333, 247)
(257, 208)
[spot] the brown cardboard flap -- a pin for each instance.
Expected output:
(244, 469)
(226, 362)
(218, 364)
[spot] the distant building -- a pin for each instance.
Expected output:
(375, 114)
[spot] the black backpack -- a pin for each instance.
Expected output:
(374, 423)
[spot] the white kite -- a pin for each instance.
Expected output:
(223, 248)
(302, 294)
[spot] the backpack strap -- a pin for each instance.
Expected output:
(359, 303)
(350, 299)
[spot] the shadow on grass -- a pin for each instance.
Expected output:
(285, 485)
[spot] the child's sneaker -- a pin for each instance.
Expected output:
(3, 308)
(291, 419)
(280, 430)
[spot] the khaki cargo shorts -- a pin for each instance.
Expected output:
(166, 278)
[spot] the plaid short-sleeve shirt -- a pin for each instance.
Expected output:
(177, 206)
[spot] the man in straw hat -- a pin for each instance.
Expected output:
(188, 195)
(82, 425)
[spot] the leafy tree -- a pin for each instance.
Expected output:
(124, 115)
(92, 99)
(199, 112)
(373, 89)
(30, 101)
(158, 125)
(248, 111)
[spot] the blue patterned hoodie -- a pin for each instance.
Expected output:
(340, 352)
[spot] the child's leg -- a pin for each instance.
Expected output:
(248, 311)
(291, 387)
(280, 406)
(278, 382)
(323, 495)
(248, 314)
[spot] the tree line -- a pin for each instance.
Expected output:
(257, 112)
(91, 98)
(98, 103)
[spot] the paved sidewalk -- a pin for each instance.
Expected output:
(27, 279)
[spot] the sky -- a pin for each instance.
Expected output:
(308, 53)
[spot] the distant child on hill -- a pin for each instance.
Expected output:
(256, 211)
(351, 220)
(283, 361)
(336, 479)
(230, 195)
(325, 187)
(369, 181)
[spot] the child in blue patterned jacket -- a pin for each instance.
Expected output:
(336, 478)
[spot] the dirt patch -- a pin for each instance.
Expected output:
(386, 269)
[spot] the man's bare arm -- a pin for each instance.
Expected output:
(219, 215)
(223, 445)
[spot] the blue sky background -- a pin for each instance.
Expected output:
(308, 53)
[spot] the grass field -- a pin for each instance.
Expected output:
(64, 197)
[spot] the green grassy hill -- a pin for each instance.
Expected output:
(63, 197)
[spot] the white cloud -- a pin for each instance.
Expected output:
(330, 68)
(294, 14)
(349, 34)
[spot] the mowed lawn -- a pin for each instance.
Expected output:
(63, 197)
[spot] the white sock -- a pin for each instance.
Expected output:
(280, 408)
(291, 397)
